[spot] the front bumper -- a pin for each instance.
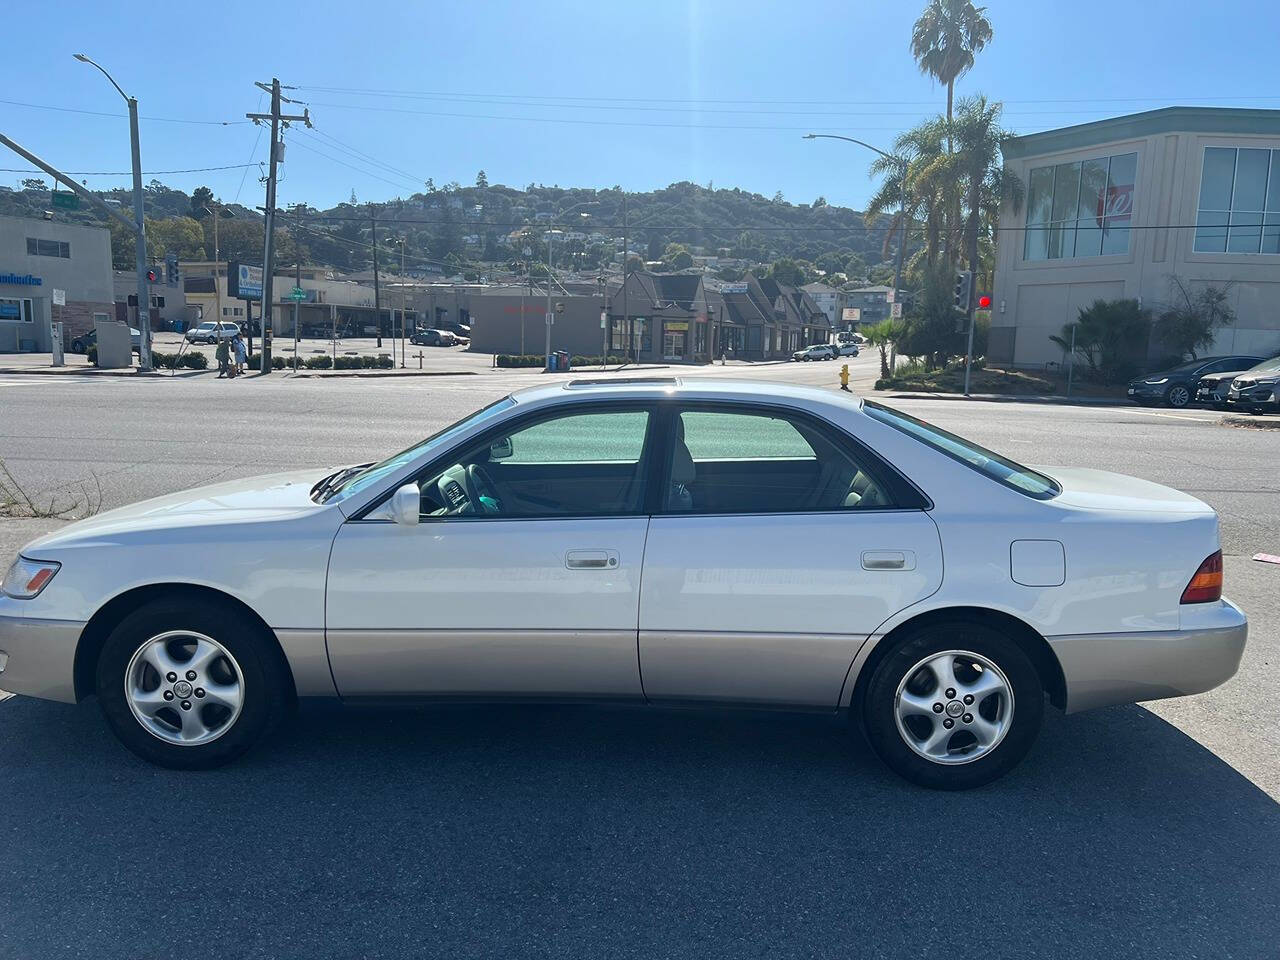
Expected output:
(1102, 669)
(39, 657)
(1146, 391)
(1262, 396)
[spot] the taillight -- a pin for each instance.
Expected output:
(1206, 585)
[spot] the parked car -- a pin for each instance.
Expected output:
(799, 548)
(1213, 389)
(210, 331)
(433, 338)
(84, 341)
(1257, 390)
(819, 351)
(1178, 385)
(849, 349)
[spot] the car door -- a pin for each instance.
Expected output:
(522, 577)
(779, 545)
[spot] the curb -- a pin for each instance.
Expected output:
(322, 375)
(1003, 398)
(1251, 423)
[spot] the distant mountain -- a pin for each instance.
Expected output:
(457, 228)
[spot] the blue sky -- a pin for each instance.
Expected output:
(585, 94)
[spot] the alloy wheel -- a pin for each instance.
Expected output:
(953, 707)
(1179, 397)
(184, 688)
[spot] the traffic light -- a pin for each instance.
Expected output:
(151, 276)
(962, 290)
(171, 269)
(984, 302)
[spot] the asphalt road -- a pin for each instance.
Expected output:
(548, 831)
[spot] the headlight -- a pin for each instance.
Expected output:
(26, 578)
(1161, 380)
(1269, 381)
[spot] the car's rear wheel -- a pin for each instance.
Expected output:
(190, 683)
(1177, 396)
(953, 705)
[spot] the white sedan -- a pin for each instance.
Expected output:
(664, 542)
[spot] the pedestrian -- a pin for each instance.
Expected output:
(238, 344)
(223, 355)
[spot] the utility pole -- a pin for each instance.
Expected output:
(297, 307)
(626, 313)
(377, 290)
(403, 304)
(268, 246)
(604, 320)
(546, 352)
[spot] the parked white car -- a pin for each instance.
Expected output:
(208, 332)
(658, 541)
(818, 351)
(847, 349)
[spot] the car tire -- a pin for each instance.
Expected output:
(1007, 716)
(77, 346)
(248, 689)
(1177, 396)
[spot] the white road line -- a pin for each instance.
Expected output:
(5, 695)
(1175, 416)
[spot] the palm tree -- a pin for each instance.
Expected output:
(931, 191)
(945, 39)
(881, 335)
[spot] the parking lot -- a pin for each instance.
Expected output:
(1144, 831)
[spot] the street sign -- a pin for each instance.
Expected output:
(895, 311)
(59, 297)
(66, 201)
(891, 296)
(851, 314)
(733, 288)
(297, 293)
(244, 282)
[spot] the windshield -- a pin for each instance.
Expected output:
(1266, 365)
(1001, 469)
(371, 475)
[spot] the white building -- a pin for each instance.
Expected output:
(1115, 209)
(829, 301)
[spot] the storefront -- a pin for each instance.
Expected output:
(51, 272)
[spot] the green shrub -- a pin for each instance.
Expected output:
(537, 360)
(346, 363)
(369, 362)
(385, 362)
(92, 354)
(194, 361)
(253, 362)
(321, 362)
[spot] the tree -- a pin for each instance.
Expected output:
(34, 183)
(787, 271)
(353, 201)
(481, 180)
(945, 40)
(431, 185)
(1111, 337)
(1192, 321)
(201, 198)
(930, 331)
(777, 197)
(881, 335)
(182, 237)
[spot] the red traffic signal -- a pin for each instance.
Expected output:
(151, 276)
(984, 302)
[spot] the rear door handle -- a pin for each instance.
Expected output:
(591, 559)
(888, 560)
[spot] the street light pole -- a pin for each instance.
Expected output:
(550, 237)
(144, 298)
(902, 196)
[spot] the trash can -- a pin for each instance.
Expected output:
(562, 359)
(551, 361)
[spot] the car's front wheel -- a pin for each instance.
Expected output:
(953, 705)
(190, 684)
(1178, 397)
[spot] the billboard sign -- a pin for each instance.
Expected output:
(733, 288)
(851, 315)
(244, 282)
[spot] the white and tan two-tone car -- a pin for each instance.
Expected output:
(656, 541)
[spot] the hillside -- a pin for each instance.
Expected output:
(462, 228)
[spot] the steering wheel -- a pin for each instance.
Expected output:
(486, 494)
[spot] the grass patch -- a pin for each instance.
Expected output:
(914, 378)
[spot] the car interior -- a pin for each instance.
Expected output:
(593, 465)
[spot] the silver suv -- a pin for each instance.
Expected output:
(207, 332)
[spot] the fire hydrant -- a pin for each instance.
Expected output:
(844, 377)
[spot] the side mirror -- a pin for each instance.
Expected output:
(405, 504)
(501, 449)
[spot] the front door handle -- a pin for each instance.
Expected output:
(591, 559)
(888, 560)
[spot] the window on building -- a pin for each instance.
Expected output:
(1081, 209)
(15, 310)
(157, 302)
(1239, 209)
(48, 248)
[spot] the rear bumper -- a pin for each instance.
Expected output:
(38, 657)
(1102, 669)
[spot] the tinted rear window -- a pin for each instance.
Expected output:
(1000, 469)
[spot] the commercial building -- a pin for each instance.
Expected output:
(168, 300)
(872, 304)
(39, 257)
(1118, 208)
(828, 299)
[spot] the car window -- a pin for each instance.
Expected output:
(1272, 364)
(1001, 469)
(575, 464)
(724, 461)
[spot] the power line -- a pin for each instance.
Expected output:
(349, 166)
(129, 173)
(502, 97)
(350, 150)
(252, 153)
(99, 113)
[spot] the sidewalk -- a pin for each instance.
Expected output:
(1015, 398)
